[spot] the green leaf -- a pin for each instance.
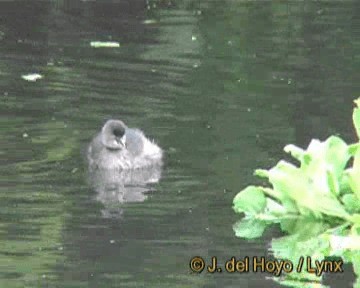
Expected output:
(304, 228)
(275, 208)
(356, 264)
(354, 175)
(345, 187)
(353, 148)
(330, 155)
(352, 204)
(356, 117)
(262, 173)
(336, 154)
(286, 180)
(295, 152)
(355, 229)
(355, 218)
(292, 247)
(249, 228)
(309, 194)
(286, 202)
(333, 182)
(251, 201)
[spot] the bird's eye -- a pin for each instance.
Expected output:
(118, 132)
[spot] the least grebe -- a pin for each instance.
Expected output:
(119, 147)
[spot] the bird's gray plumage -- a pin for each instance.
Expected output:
(122, 162)
(120, 147)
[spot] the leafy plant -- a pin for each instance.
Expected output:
(317, 202)
(319, 187)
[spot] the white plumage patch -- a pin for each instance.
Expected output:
(151, 149)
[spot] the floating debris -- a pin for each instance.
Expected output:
(25, 135)
(99, 44)
(193, 38)
(172, 150)
(32, 77)
(149, 21)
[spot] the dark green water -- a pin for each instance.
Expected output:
(221, 85)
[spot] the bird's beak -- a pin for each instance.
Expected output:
(123, 141)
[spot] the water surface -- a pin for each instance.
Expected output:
(221, 85)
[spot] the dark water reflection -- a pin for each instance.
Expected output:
(221, 85)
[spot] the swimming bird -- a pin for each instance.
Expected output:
(118, 147)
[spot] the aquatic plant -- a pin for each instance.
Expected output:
(317, 202)
(321, 186)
